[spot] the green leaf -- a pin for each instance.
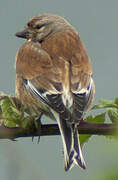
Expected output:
(100, 118)
(9, 124)
(96, 119)
(113, 115)
(116, 100)
(104, 103)
(13, 114)
(9, 112)
(84, 138)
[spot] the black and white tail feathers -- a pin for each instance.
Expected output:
(65, 120)
(71, 144)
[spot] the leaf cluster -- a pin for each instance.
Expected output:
(110, 109)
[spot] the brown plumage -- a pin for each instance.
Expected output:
(53, 76)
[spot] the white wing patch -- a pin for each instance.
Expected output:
(84, 90)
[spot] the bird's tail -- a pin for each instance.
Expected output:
(71, 144)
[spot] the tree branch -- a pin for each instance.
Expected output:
(12, 113)
(52, 129)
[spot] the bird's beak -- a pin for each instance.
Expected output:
(25, 33)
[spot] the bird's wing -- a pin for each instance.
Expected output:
(82, 84)
(42, 75)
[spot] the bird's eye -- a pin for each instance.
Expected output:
(39, 26)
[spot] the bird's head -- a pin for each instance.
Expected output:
(43, 26)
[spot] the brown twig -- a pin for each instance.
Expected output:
(52, 129)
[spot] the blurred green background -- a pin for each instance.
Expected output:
(97, 23)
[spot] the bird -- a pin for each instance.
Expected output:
(54, 77)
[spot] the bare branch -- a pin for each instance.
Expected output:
(52, 129)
